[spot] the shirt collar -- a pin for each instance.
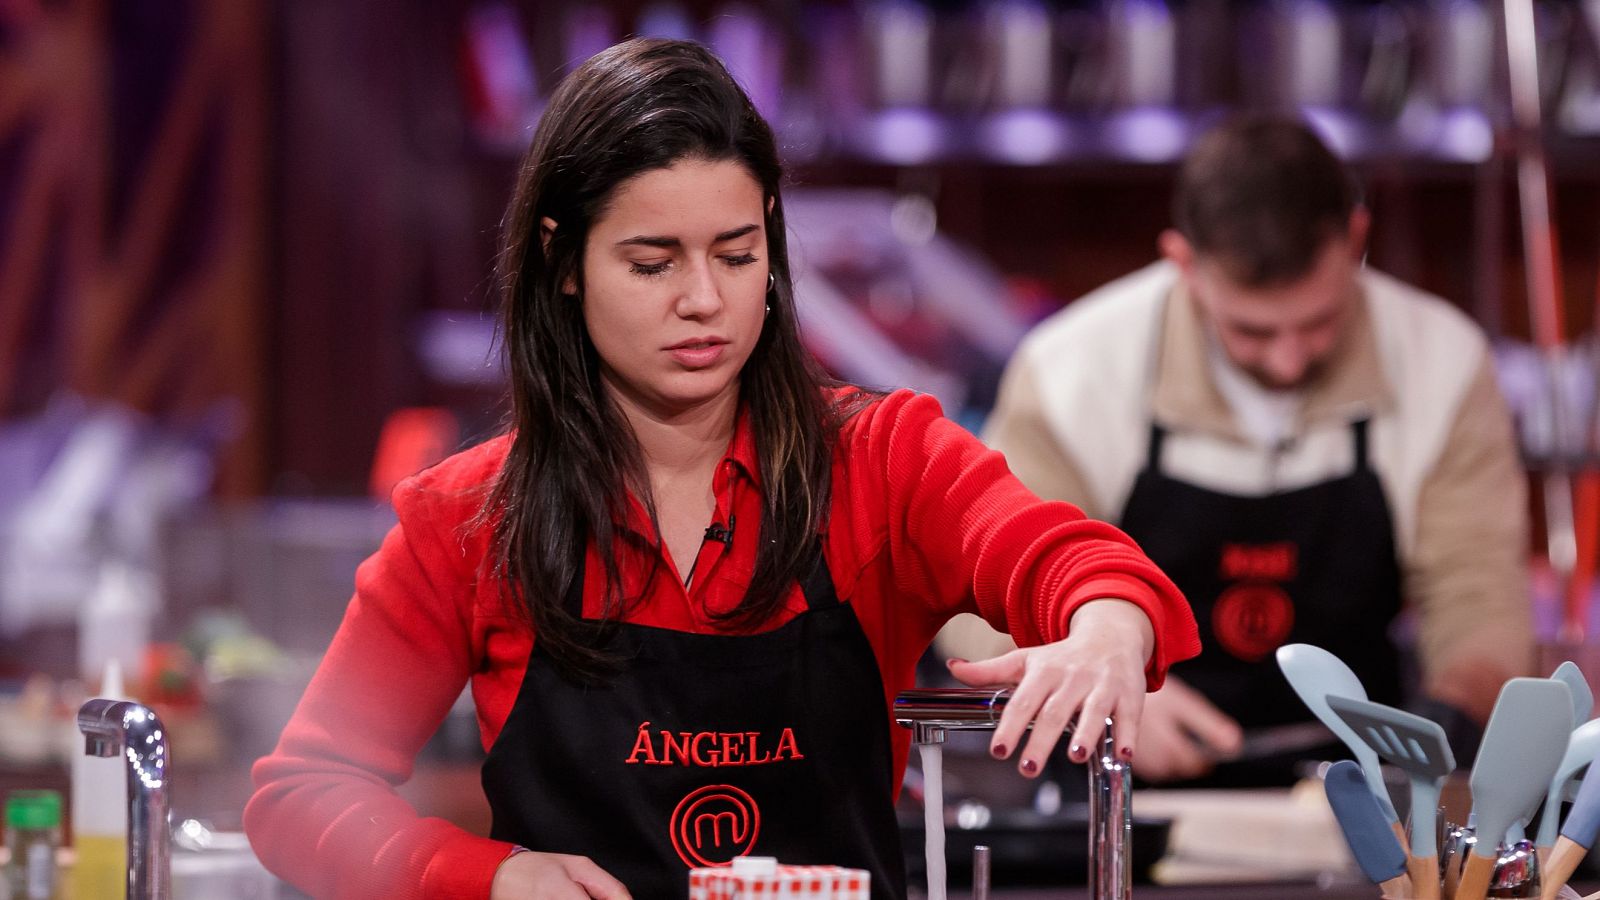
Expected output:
(741, 452)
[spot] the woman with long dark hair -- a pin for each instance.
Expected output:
(685, 582)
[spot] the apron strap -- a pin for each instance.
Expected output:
(1158, 436)
(817, 586)
(1358, 432)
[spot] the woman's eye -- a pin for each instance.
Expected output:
(651, 268)
(743, 259)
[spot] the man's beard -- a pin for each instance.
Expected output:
(1267, 382)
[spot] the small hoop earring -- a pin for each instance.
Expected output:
(772, 283)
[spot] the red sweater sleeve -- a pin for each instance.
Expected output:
(325, 815)
(960, 530)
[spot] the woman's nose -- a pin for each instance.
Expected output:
(701, 295)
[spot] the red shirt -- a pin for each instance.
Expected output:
(925, 523)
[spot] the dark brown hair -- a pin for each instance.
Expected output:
(1262, 196)
(638, 106)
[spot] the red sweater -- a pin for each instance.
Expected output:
(925, 523)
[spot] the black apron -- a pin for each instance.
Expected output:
(1315, 564)
(706, 747)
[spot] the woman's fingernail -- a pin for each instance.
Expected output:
(1077, 753)
(1127, 753)
(953, 660)
(999, 751)
(1029, 767)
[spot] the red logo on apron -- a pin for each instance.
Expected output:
(1252, 619)
(714, 824)
(1260, 562)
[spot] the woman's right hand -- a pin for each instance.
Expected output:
(559, 876)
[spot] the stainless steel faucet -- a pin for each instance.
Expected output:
(111, 727)
(931, 713)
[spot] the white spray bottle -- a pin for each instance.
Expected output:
(100, 813)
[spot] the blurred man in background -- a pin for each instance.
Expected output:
(1305, 445)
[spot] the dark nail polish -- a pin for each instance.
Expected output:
(1078, 754)
(1127, 753)
(999, 751)
(1029, 767)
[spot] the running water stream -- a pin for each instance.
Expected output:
(933, 815)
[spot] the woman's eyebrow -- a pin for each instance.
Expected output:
(739, 232)
(668, 243)
(643, 240)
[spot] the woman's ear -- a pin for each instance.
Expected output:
(547, 233)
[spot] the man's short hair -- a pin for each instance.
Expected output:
(1261, 196)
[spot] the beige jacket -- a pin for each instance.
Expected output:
(1075, 406)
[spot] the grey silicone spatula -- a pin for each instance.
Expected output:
(1419, 747)
(1366, 828)
(1581, 750)
(1570, 675)
(1314, 673)
(1577, 833)
(1582, 702)
(1522, 745)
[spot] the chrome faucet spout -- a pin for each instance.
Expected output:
(113, 727)
(932, 712)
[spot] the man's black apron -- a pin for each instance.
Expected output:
(706, 747)
(1316, 565)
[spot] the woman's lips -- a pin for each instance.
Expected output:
(698, 354)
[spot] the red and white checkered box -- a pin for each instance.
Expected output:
(775, 882)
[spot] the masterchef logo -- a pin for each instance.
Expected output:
(1251, 620)
(714, 824)
(1260, 562)
(711, 749)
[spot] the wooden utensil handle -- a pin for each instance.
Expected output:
(1424, 876)
(1475, 880)
(1398, 886)
(1563, 861)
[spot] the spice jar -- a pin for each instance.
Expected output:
(33, 833)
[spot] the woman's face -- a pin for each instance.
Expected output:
(675, 285)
